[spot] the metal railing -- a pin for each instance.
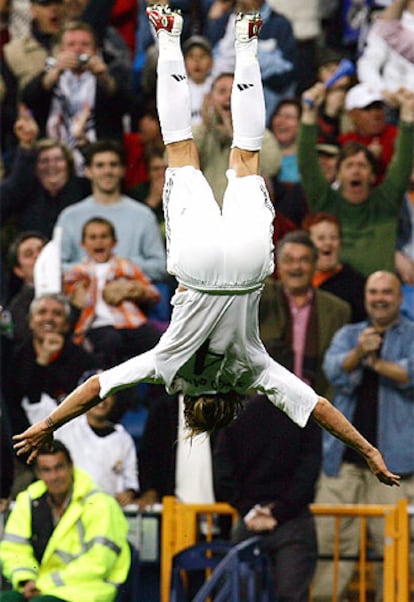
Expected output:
(180, 530)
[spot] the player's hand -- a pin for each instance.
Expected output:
(378, 467)
(32, 439)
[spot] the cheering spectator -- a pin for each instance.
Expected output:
(331, 274)
(104, 450)
(25, 57)
(214, 138)
(368, 216)
(23, 253)
(366, 111)
(370, 365)
(139, 236)
(77, 99)
(298, 321)
(111, 317)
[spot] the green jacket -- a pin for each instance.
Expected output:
(331, 313)
(87, 555)
(368, 229)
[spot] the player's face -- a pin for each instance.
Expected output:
(325, 237)
(27, 254)
(98, 242)
(383, 298)
(56, 472)
(285, 125)
(198, 63)
(48, 316)
(296, 267)
(355, 176)
(105, 172)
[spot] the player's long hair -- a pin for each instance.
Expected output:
(206, 413)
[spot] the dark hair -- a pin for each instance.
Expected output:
(51, 449)
(353, 148)
(287, 102)
(299, 237)
(13, 252)
(206, 413)
(153, 151)
(220, 76)
(104, 146)
(99, 220)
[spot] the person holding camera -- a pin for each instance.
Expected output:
(74, 96)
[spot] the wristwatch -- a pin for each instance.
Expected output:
(50, 62)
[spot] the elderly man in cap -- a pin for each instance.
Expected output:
(368, 215)
(366, 110)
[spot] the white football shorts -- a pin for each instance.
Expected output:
(219, 250)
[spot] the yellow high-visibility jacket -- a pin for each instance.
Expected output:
(87, 556)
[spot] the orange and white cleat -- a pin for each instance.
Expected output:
(248, 26)
(163, 18)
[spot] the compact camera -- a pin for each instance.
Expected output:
(83, 59)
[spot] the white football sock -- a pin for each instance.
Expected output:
(247, 99)
(173, 94)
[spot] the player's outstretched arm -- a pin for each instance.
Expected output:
(81, 399)
(332, 420)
